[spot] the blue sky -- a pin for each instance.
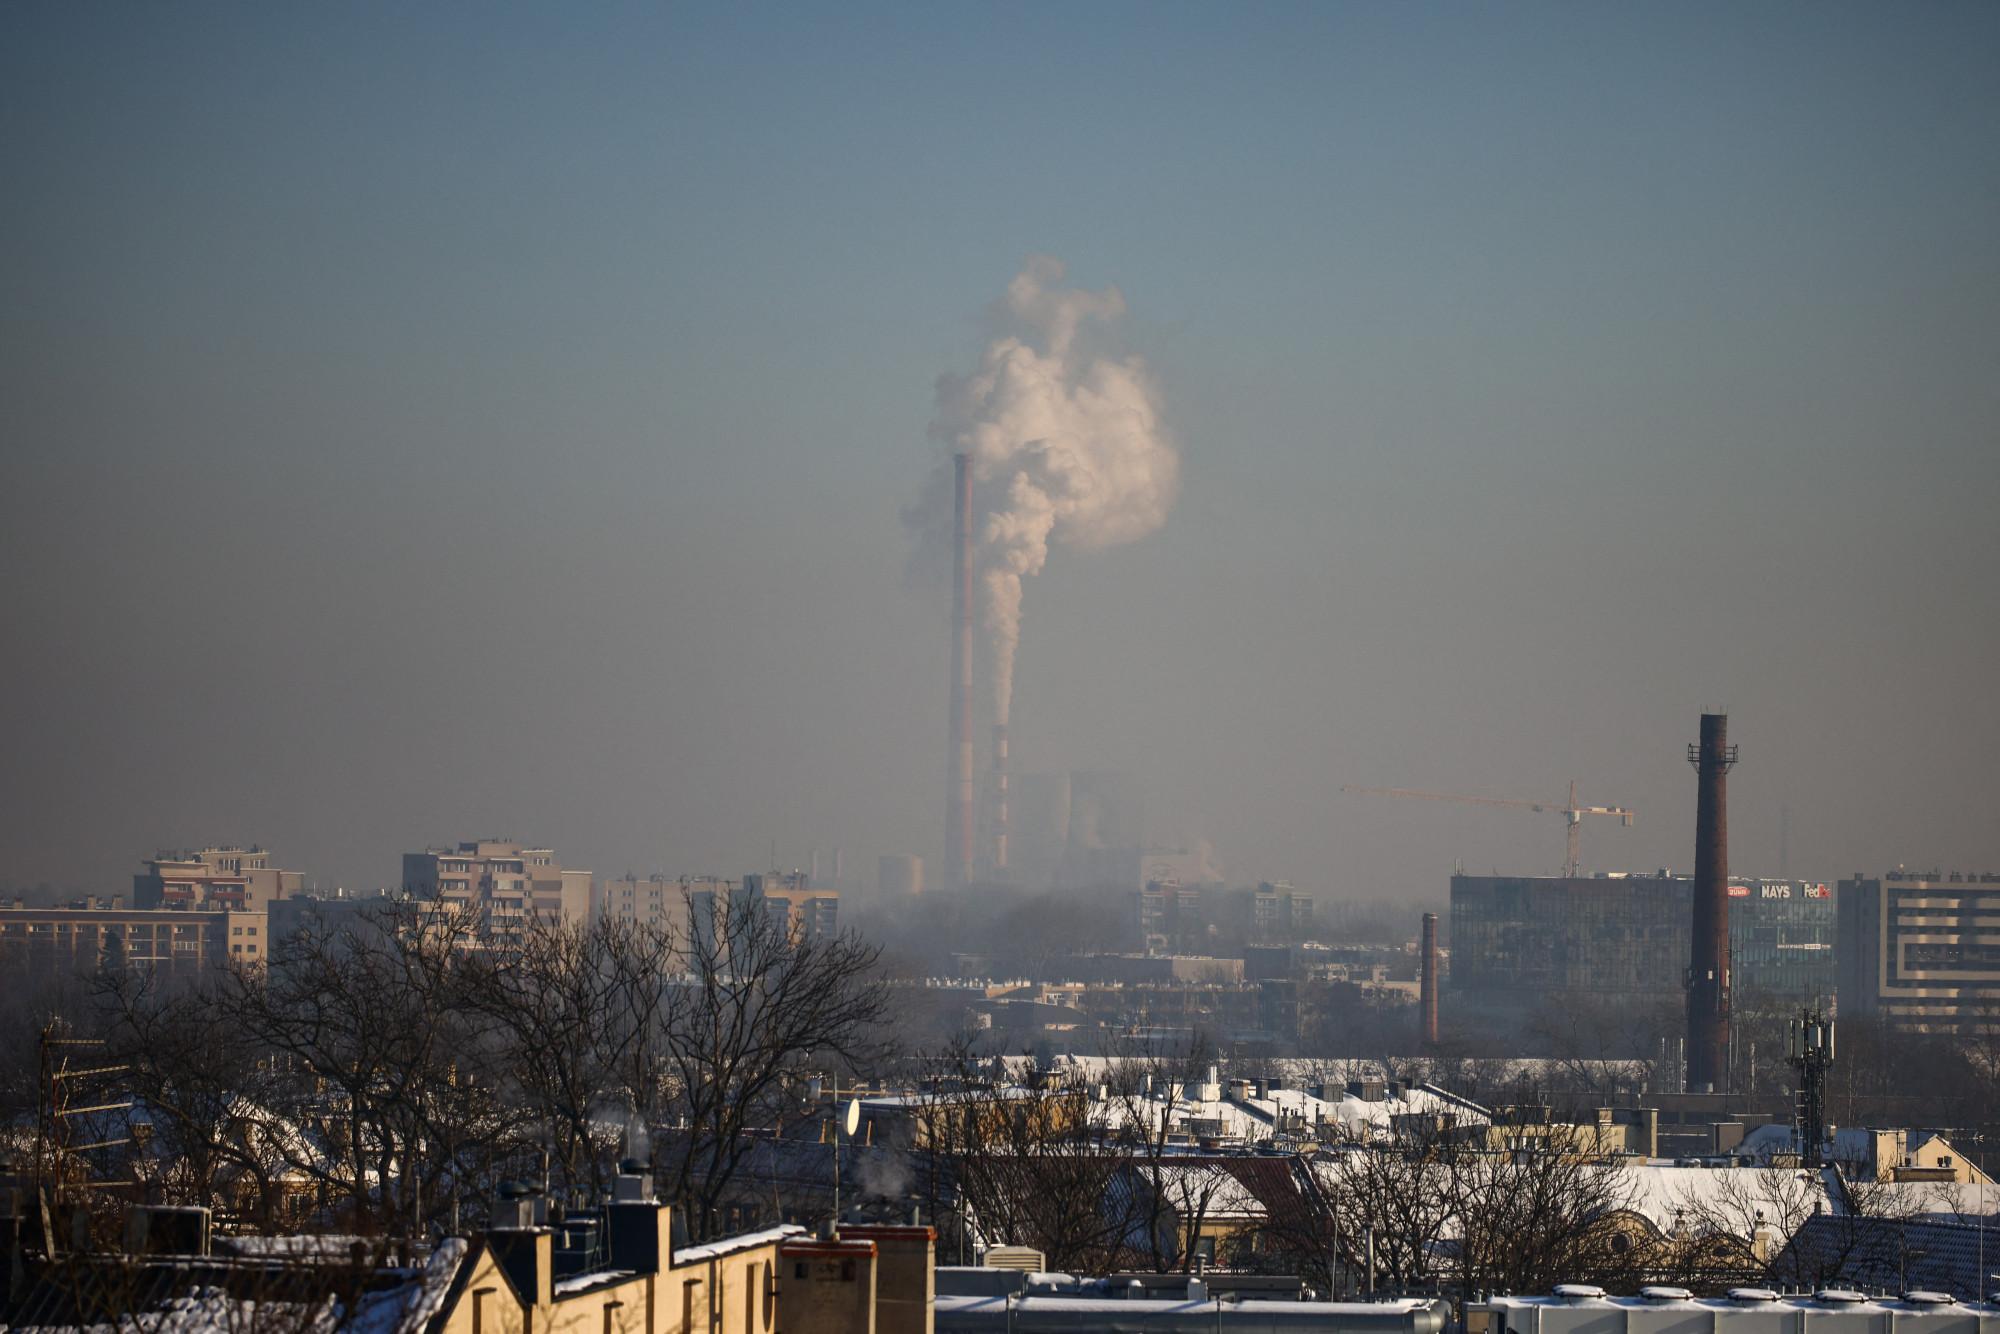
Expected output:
(427, 422)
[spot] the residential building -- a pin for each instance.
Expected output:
(537, 1266)
(1164, 911)
(53, 941)
(509, 885)
(215, 879)
(654, 901)
(801, 909)
(1271, 911)
(791, 903)
(1896, 1155)
(332, 912)
(1931, 1253)
(1919, 951)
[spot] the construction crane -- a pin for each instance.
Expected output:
(1571, 812)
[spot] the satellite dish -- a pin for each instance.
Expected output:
(852, 1121)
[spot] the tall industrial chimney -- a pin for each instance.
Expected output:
(1000, 796)
(1428, 991)
(1708, 965)
(958, 820)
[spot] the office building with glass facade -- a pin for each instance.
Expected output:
(1623, 940)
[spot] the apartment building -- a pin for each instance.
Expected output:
(801, 909)
(63, 941)
(214, 879)
(508, 885)
(788, 901)
(1166, 910)
(656, 900)
(1271, 911)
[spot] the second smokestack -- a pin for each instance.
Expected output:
(958, 818)
(1000, 796)
(1708, 962)
(1428, 989)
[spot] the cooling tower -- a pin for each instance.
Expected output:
(900, 877)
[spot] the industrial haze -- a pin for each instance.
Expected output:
(469, 421)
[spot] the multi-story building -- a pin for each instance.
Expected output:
(509, 885)
(790, 903)
(331, 913)
(1920, 951)
(802, 910)
(1271, 911)
(1164, 911)
(1624, 940)
(214, 880)
(654, 901)
(1782, 936)
(49, 941)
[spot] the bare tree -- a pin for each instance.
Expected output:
(1532, 1218)
(580, 1007)
(383, 1070)
(1735, 1204)
(1402, 1194)
(306, 1291)
(196, 1084)
(754, 999)
(1027, 1163)
(1149, 1099)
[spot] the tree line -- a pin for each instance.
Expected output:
(387, 1074)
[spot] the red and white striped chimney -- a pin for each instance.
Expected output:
(958, 817)
(1000, 796)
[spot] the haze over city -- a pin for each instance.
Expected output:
(425, 424)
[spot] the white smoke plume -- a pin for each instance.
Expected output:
(1067, 447)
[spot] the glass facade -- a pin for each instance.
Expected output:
(1781, 939)
(1625, 939)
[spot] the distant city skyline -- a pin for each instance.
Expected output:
(481, 420)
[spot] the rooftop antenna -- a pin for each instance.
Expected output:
(1809, 1048)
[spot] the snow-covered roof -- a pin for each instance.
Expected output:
(1706, 1199)
(1851, 1144)
(1253, 1118)
(691, 1255)
(408, 1308)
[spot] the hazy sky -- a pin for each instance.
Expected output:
(420, 423)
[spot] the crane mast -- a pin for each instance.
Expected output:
(1571, 812)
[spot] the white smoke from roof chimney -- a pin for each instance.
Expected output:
(1066, 447)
